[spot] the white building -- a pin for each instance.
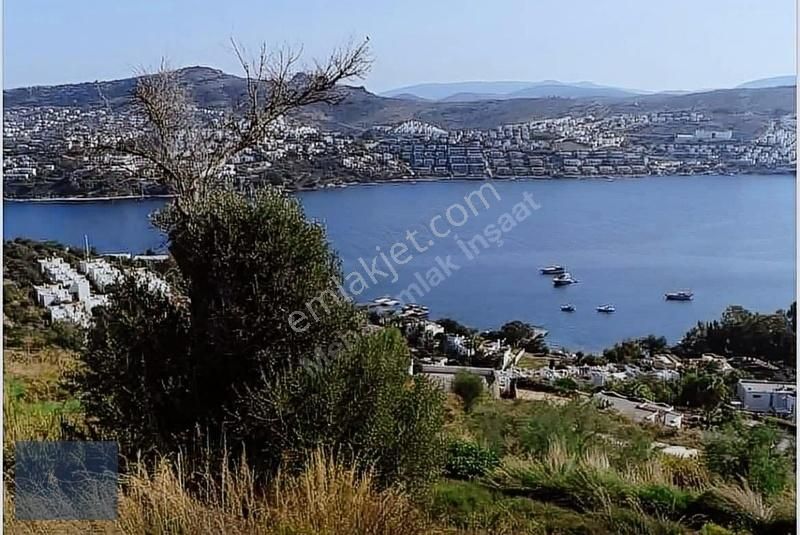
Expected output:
(80, 289)
(69, 297)
(767, 397)
(101, 273)
(52, 294)
(493, 380)
(640, 410)
(71, 312)
(458, 344)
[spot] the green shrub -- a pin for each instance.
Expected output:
(469, 387)
(255, 352)
(471, 507)
(750, 452)
(459, 498)
(566, 383)
(665, 499)
(468, 460)
(714, 529)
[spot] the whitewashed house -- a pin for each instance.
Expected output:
(51, 294)
(767, 396)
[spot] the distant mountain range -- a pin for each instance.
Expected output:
(360, 109)
(475, 91)
(478, 91)
(776, 81)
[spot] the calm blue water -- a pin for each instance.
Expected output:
(729, 239)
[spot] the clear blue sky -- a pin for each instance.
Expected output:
(643, 44)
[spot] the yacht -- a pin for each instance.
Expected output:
(564, 279)
(567, 308)
(553, 270)
(682, 295)
(608, 309)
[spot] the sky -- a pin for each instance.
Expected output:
(637, 44)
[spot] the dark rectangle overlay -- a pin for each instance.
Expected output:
(59, 480)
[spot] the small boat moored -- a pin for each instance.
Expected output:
(564, 279)
(567, 308)
(553, 270)
(683, 295)
(608, 309)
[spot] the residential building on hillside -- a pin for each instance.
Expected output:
(767, 397)
(640, 410)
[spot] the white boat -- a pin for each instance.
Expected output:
(567, 308)
(608, 309)
(682, 295)
(564, 279)
(553, 270)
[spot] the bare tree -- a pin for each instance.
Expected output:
(189, 148)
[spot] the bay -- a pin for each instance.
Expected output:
(731, 240)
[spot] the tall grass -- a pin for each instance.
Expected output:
(749, 509)
(656, 496)
(326, 498)
(589, 481)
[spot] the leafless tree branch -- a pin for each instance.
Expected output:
(189, 148)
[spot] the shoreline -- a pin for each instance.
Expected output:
(104, 198)
(391, 181)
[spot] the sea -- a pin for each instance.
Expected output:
(471, 250)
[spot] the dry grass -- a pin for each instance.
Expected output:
(670, 471)
(326, 498)
(25, 421)
(330, 499)
(751, 506)
(534, 395)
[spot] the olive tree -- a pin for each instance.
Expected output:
(223, 360)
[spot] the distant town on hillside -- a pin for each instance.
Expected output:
(54, 136)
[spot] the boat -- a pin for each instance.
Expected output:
(608, 309)
(563, 280)
(567, 308)
(553, 270)
(682, 295)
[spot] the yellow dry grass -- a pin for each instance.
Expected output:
(325, 498)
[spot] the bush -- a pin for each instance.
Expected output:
(468, 460)
(471, 508)
(566, 383)
(65, 335)
(255, 351)
(469, 388)
(714, 529)
(362, 404)
(665, 499)
(136, 376)
(750, 452)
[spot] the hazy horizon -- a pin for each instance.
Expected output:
(436, 82)
(644, 46)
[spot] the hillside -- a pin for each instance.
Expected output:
(361, 109)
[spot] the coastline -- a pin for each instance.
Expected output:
(392, 181)
(104, 198)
